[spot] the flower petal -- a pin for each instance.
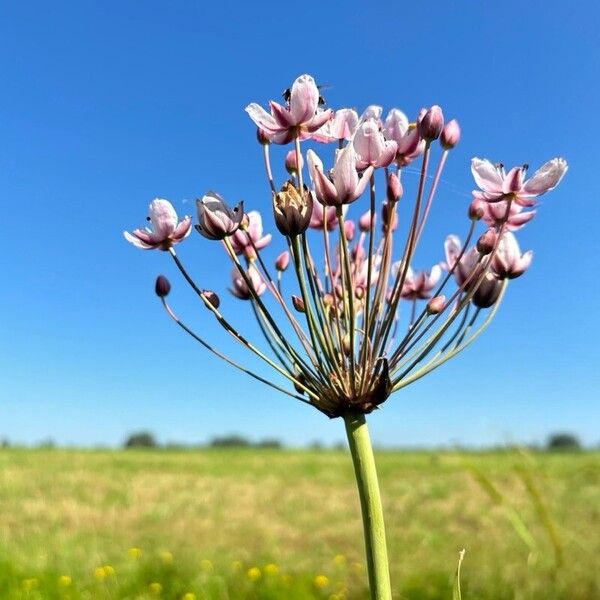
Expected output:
(547, 177)
(486, 175)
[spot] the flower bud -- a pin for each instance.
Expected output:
(394, 188)
(488, 292)
(487, 241)
(436, 305)
(212, 298)
(346, 347)
(476, 209)
(291, 164)
(450, 135)
(282, 261)
(298, 304)
(292, 210)
(162, 287)
(261, 137)
(349, 228)
(359, 292)
(364, 223)
(432, 123)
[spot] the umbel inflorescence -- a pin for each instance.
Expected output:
(357, 322)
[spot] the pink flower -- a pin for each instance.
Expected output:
(216, 220)
(494, 214)
(165, 230)
(300, 117)
(316, 219)
(469, 267)
(341, 127)
(243, 238)
(241, 290)
(467, 263)
(371, 147)
(418, 286)
(495, 184)
(344, 185)
(508, 262)
(397, 128)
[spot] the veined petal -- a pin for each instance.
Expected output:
(486, 175)
(513, 182)
(138, 239)
(395, 126)
(547, 177)
(283, 117)
(304, 99)
(183, 229)
(163, 217)
(387, 156)
(262, 118)
(344, 175)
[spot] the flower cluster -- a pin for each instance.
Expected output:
(360, 321)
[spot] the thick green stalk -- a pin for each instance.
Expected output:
(370, 503)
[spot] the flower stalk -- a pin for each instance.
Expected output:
(370, 504)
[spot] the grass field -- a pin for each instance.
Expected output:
(267, 524)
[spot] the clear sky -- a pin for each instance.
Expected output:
(105, 105)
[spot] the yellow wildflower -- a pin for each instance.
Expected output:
(109, 570)
(188, 596)
(321, 581)
(339, 560)
(99, 573)
(253, 573)
(155, 588)
(64, 581)
(271, 569)
(206, 566)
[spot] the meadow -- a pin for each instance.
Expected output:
(269, 524)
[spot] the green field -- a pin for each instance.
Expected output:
(266, 524)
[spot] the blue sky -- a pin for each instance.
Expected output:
(105, 105)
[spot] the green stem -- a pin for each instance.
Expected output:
(370, 503)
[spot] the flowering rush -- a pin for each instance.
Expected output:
(346, 316)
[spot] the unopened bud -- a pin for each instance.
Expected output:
(359, 292)
(282, 261)
(291, 164)
(432, 123)
(328, 300)
(394, 188)
(476, 209)
(364, 223)
(162, 287)
(349, 228)
(487, 242)
(450, 135)
(346, 347)
(298, 304)
(262, 138)
(212, 298)
(436, 305)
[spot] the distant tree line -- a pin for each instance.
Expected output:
(556, 442)
(145, 439)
